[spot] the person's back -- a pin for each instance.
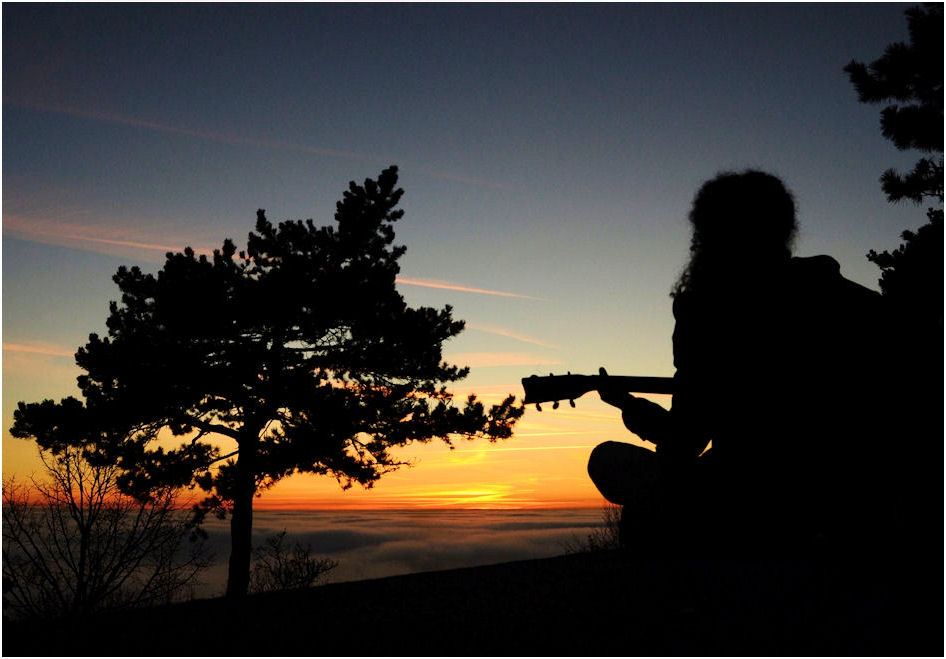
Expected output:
(775, 374)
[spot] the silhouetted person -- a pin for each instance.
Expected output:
(780, 363)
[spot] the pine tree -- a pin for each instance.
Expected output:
(297, 355)
(910, 78)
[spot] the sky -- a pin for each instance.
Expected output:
(548, 153)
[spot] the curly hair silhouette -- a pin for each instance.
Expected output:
(740, 220)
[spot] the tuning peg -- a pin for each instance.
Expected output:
(538, 408)
(571, 401)
(555, 405)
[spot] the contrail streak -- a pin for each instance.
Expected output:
(237, 140)
(37, 230)
(512, 335)
(130, 243)
(224, 138)
(491, 359)
(432, 283)
(46, 231)
(53, 351)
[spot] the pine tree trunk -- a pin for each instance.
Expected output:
(241, 523)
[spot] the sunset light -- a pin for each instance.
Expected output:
(277, 278)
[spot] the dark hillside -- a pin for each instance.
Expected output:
(589, 604)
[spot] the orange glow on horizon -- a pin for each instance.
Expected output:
(328, 505)
(460, 499)
(543, 466)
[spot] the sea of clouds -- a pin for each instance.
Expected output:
(373, 544)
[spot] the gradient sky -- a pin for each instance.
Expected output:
(549, 154)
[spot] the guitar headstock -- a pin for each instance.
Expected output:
(554, 388)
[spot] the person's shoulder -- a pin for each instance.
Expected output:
(818, 266)
(823, 273)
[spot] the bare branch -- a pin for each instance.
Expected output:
(85, 546)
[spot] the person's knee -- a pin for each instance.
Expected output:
(605, 469)
(607, 450)
(602, 458)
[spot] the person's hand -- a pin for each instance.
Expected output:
(644, 418)
(612, 395)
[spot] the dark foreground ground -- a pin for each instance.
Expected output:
(586, 604)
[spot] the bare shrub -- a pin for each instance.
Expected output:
(277, 567)
(73, 543)
(605, 537)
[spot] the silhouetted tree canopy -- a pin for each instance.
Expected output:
(912, 271)
(297, 355)
(910, 78)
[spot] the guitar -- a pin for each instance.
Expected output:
(553, 388)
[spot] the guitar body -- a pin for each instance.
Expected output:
(553, 388)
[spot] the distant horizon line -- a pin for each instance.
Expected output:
(431, 509)
(439, 508)
(314, 508)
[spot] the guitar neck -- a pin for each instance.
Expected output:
(641, 384)
(541, 389)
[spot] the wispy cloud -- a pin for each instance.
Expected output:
(91, 237)
(450, 286)
(490, 359)
(489, 329)
(130, 243)
(238, 140)
(49, 349)
(223, 138)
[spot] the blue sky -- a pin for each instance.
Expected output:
(548, 151)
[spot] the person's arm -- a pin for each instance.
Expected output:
(678, 432)
(644, 418)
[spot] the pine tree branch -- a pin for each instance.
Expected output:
(207, 427)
